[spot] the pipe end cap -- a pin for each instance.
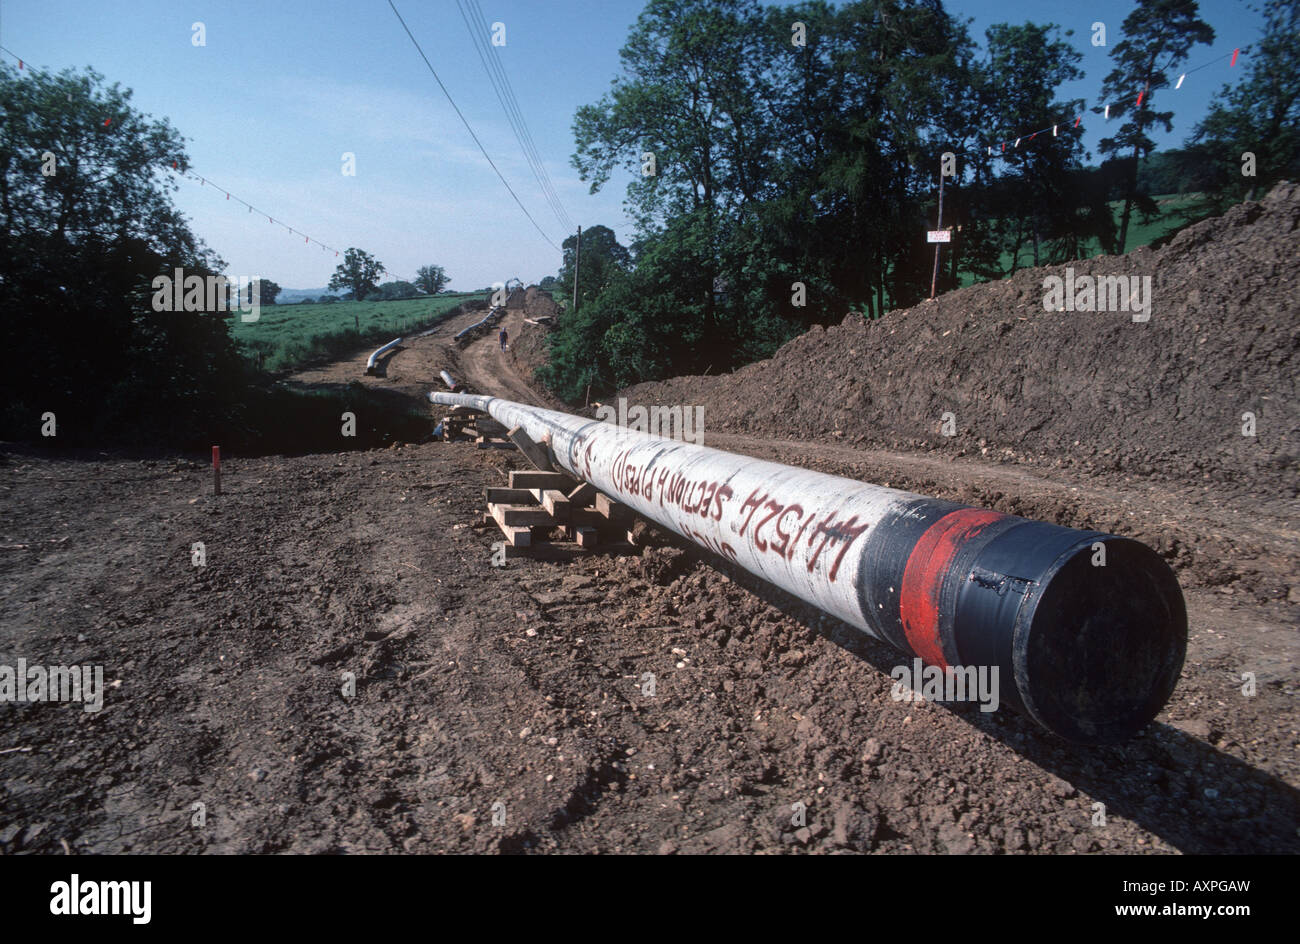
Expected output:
(1100, 647)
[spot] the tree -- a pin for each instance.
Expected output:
(85, 183)
(686, 120)
(267, 291)
(431, 279)
(600, 260)
(759, 163)
(390, 291)
(359, 272)
(1039, 194)
(1158, 36)
(1259, 117)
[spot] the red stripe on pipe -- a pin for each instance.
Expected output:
(927, 566)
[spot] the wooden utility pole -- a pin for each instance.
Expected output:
(934, 277)
(577, 258)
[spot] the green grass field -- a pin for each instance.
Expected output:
(1174, 213)
(1173, 210)
(290, 336)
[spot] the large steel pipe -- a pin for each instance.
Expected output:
(492, 313)
(1090, 628)
(380, 352)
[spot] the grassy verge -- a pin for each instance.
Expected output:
(286, 337)
(1175, 211)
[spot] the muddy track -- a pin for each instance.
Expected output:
(491, 370)
(413, 368)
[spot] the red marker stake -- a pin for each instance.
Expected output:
(216, 470)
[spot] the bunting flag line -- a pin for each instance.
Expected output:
(1141, 96)
(203, 182)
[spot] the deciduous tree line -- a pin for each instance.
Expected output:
(785, 163)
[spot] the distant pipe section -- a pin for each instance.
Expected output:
(446, 378)
(1084, 631)
(492, 313)
(374, 358)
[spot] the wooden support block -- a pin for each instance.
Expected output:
(522, 516)
(517, 537)
(531, 479)
(586, 537)
(508, 496)
(531, 450)
(611, 509)
(554, 501)
(583, 495)
(489, 427)
(587, 518)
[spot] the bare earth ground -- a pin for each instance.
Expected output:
(523, 686)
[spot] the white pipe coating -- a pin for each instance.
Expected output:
(789, 526)
(370, 363)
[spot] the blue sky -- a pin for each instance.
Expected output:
(283, 89)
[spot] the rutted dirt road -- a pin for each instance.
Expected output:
(505, 709)
(413, 368)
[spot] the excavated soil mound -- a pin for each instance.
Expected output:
(529, 346)
(1096, 390)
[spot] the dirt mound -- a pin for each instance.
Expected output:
(1084, 388)
(540, 304)
(529, 345)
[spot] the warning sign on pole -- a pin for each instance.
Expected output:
(938, 236)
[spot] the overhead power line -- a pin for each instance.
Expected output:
(477, 25)
(468, 128)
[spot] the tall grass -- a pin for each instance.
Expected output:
(286, 337)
